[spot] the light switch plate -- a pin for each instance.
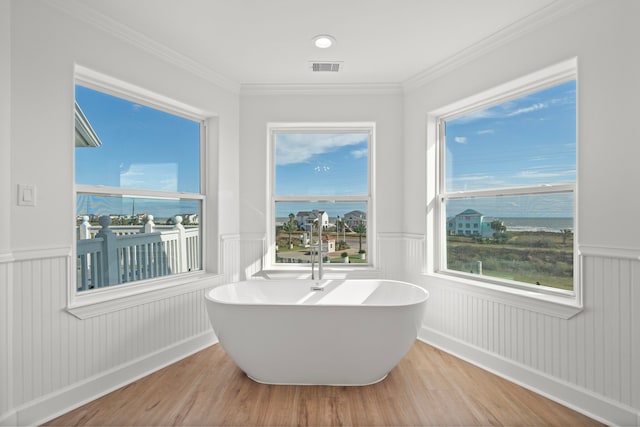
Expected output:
(26, 195)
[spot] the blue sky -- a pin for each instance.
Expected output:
(142, 148)
(321, 164)
(526, 141)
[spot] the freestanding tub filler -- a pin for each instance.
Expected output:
(331, 332)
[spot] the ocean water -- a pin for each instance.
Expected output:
(553, 225)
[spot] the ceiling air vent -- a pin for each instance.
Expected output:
(326, 66)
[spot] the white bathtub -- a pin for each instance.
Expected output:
(351, 333)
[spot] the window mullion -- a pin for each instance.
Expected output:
(132, 192)
(319, 198)
(510, 191)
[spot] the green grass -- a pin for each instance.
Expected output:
(530, 257)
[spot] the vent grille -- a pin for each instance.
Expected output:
(332, 67)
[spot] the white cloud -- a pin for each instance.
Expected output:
(473, 182)
(529, 109)
(460, 139)
(358, 154)
(507, 109)
(300, 148)
(485, 131)
(473, 178)
(154, 176)
(476, 115)
(532, 174)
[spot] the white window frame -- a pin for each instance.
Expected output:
(98, 301)
(323, 127)
(546, 300)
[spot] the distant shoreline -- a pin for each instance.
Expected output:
(513, 224)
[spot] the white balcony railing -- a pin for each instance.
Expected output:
(110, 255)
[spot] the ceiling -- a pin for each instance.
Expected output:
(268, 42)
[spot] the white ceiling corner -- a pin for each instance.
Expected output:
(252, 47)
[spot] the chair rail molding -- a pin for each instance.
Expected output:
(609, 252)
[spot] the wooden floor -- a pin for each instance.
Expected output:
(428, 387)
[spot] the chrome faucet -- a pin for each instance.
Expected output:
(319, 252)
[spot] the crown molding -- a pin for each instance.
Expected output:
(98, 20)
(322, 89)
(517, 29)
(501, 37)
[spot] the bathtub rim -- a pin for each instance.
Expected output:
(425, 297)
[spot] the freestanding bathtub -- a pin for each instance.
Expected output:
(332, 332)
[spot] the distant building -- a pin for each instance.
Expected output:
(354, 218)
(470, 223)
(303, 217)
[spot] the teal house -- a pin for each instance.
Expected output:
(470, 223)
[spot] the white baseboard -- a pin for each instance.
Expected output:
(62, 401)
(579, 399)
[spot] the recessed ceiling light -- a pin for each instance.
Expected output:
(323, 41)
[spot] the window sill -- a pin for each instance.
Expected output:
(108, 300)
(330, 271)
(561, 306)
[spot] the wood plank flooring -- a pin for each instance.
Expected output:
(428, 388)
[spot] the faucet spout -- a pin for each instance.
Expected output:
(316, 213)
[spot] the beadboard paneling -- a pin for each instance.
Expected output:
(6, 373)
(53, 350)
(597, 350)
(242, 256)
(390, 265)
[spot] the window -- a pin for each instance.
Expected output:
(139, 191)
(321, 177)
(508, 161)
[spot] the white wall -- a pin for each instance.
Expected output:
(385, 110)
(591, 360)
(43, 57)
(5, 193)
(382, 107)
(49, 359)
(5, 117)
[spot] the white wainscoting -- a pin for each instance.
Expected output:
(243, 255)
(391, 262)
(6, 320)
(56, 361)
(51, 361)
(590, 362)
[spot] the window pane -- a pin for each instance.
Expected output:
(146, 238)
(526, 238)
(344, 230)
(525, 141)
(321, 164)
(134, 146)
